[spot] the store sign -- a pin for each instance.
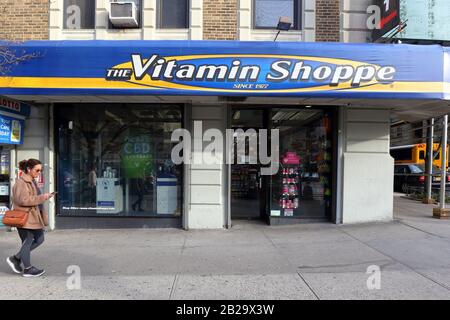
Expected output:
(291, 158)
(11, 130)
(14, 106)
(231, 68)
(137, 158)
(106, 192)
(244, 73)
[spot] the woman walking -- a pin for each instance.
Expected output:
(27, 197)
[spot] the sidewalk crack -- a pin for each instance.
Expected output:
(175, 280)
(424, 231)
(309, 287)
(174, 284)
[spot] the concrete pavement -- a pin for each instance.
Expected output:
(249, 261)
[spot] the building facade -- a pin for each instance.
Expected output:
(65, 131)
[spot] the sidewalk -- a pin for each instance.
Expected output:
(249, 261)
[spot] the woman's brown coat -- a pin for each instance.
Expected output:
(25, 198)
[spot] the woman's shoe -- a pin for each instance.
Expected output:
(32, 272)
(14, 264)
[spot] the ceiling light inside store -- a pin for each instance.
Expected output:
(147, 114)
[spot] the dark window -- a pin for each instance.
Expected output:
(398, 169)
(266, 13)
(422, 155)
(115, 160)
(402, 170)
(173, 14)
(414, 169)
(79, 14)
(418, 129)
(402, 154)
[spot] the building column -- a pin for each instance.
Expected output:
(205, 197)
(354, 21)
(368, 168)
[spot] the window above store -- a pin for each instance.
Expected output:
(266, 13)
(173, 14)
(79, 14)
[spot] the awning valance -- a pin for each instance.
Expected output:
(231, 68)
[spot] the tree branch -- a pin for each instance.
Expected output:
(10, 57)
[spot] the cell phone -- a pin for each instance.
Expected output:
(54, 192)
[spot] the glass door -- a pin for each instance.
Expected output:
(247, 188)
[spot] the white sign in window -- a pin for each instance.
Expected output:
(79, 14)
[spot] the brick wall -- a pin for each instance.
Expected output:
(24, 19)
(220, 19)
(327, 20)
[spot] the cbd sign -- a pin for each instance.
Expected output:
(137, 148)
(137, 156)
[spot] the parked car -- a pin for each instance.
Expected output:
(411, 177)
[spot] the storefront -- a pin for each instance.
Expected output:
(113, 107)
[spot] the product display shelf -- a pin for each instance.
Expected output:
(290, 189)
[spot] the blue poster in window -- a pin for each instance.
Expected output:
(11, 130)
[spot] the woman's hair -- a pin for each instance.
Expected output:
(28, 164)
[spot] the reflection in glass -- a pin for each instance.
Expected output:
(115, 160)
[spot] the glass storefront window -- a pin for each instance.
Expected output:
(114, 159)
(302, 186)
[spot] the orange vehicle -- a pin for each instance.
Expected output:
(415, 154)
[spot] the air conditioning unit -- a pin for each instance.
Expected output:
(123, 14)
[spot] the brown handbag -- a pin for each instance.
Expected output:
(15, 218)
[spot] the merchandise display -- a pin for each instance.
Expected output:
(244, 181)
(290, 192)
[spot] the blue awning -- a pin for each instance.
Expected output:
(231, 68)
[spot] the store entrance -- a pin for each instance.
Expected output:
(247, 187)
(302, 187)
